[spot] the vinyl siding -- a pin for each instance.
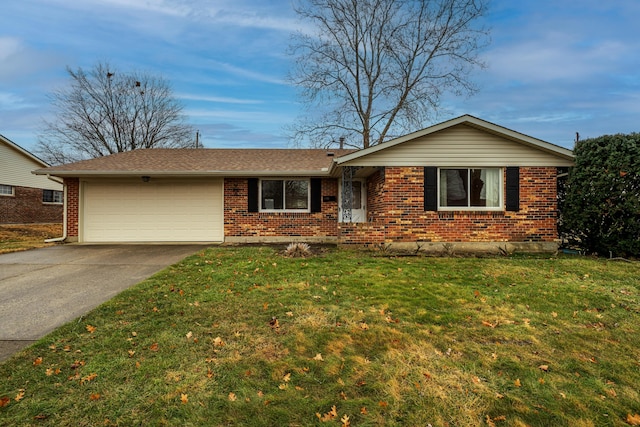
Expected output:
(460, 145)
(15, 170)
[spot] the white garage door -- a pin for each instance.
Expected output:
(155, 211)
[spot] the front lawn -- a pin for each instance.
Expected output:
(20, 237)
(245, 336)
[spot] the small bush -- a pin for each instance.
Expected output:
(298, 250)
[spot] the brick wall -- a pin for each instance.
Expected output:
(26, 207)
(239, 222)
(396, 202)
(73, 196)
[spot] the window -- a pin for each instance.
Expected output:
(470, 189)
(284, 195)
(6, 190)
(51, 196)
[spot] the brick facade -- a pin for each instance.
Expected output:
(396, 213)
(242, 224)
(73, 205)
(26, 207)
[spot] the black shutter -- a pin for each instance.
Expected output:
(252, 195)
(430, 188)
(513, 189)
(316, 195)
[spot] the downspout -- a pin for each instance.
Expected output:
(64, 211)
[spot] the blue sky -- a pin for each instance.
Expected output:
(555, 67)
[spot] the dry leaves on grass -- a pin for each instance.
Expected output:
(633, 420)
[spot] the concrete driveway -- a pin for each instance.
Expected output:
(45, 288)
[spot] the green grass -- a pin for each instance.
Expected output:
(406, 341)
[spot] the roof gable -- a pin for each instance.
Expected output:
(21, 151)
(16, 165)
(464, 141)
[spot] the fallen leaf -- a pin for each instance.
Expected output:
(490, 422)
(37, 361)
(517, 383)
(94, 396)
(283, 386)
(19, 396)
(345, 420)
(4, 401)
(611, 392)
(383, 404)
(260, 393)
(489, 324)
(156, 310)
(274, 323)
(343, 396)
(633, 420)
(77, 364)
(184, 398)
(364, 326)
(189, 335)
(290, 313)
(287, 377)
(91, 329)
(544, 368)
(217, 341)
(154, 347)
(209, 373)
(318, 357)
(333, 413)
(134, 334)
(363, 410)
(131, 353)
(88, 378)
(232, 397)
(554, 314)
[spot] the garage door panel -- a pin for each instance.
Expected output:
(153, 212)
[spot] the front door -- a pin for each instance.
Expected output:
(358, 208)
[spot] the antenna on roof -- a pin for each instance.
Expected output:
(342, 142)
(197, 138)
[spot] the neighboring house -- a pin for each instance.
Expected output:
(463, 184)
(24, 197)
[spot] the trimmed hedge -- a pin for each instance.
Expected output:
(600, 208)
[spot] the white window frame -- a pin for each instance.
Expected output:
(501, 191)
(54, 193)
(7, 190)
(284, 202)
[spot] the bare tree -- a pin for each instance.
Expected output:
(373, 69)
(104, 111)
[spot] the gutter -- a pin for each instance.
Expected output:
(64, 211)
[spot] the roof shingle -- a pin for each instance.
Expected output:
(204, 161)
